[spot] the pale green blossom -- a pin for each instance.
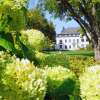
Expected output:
(90, 83)
(22, 76)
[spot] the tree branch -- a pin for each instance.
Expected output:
(84, 30)
(84, 23)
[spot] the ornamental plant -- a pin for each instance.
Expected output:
(5, 58)
(90, 83)
(34, 39)
(22, 81)
(77, 64)
(61, 82)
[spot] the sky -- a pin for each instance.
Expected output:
(57, 22)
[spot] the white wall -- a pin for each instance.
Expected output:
(74, 42)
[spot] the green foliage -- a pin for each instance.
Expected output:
(52, 60)
(5, 58)
(52, 7)
(61, 82)
(6, 44)
(41, 58)
(22, 81)
(12, 19)
(18, 20)
(34, 39)
(96, 1)
(12, 14)
(36, 20)
(76, 63)
(90, 83)
(69, 9)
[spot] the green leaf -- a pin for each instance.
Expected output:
(6, 44)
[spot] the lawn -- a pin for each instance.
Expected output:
(74, 53)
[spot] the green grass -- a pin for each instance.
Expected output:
(74, 53)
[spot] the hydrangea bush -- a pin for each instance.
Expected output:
(5, 58)
(61, 82)
(34, 39)
(90, 83)
(22, 81)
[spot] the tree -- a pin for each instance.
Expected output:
(85, 12)
(36, 20)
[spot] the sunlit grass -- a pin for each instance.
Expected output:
(72, 53)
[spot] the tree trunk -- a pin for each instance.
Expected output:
(97, 51)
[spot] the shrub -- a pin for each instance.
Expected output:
(41, 58)
(90, 83)
(22, 81)
(61, 82)
(34, 39)
(77, 64)
(5, 58)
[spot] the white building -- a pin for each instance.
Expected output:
(70, 39)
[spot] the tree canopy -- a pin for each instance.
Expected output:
(85, 12)
(36, 20)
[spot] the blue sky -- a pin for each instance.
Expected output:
(57, 22)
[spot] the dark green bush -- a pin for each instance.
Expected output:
(61, 82)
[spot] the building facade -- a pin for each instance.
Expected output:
(70, 39)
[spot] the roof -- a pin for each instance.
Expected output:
(70, 31)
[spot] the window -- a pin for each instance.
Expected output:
(74, 45)
(75, 34)
(60, 41)
(82, 45)
(65, 41)
(77, 40)
(73, 40)
(87, 39)
(65, 46)
(69, 40)
(60, 46)
(71, 34)
(82, 40)
(70, 46)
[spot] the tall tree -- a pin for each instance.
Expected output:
(36, 20)
(85, 12)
